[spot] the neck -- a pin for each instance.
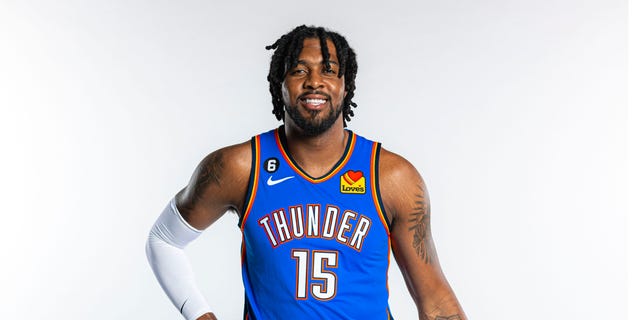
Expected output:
(318, 154)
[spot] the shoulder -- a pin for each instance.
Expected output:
(227, 168)
(395, 169)
(400, 183)
(219, 181)
(231, 160)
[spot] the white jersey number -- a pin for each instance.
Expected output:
(320, 260)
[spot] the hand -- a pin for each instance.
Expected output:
(207, 316)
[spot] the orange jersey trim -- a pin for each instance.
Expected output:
(254, 183)
(374, 187)
(380, 208)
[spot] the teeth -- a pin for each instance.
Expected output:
(315, 101)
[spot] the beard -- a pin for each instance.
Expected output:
(314, 125)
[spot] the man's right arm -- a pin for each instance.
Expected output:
(218, 184)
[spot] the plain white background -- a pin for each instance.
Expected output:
(513, 111)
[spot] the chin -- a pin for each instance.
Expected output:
(313, 127)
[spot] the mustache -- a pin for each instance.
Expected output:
(315, 92)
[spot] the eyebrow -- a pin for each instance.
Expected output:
(303, 62)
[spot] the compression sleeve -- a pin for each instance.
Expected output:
(165, 252)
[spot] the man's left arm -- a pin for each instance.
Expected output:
(406, 202)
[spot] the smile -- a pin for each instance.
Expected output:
(314, 102)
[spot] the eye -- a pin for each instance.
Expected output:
(330, 71)
(297, 71)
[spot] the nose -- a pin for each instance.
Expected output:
(313, 80)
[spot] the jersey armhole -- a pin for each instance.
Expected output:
(377, 198)
(253, 181)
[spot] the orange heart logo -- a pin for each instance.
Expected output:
(352, 176)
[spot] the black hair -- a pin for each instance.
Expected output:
(287, 50)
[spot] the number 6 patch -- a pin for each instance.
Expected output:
(271, 165)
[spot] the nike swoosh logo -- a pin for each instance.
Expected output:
(185, 302)
(274, 182)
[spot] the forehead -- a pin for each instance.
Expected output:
(311, 49)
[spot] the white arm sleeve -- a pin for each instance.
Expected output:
(167, 239)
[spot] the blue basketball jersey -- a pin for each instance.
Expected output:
(314, 248)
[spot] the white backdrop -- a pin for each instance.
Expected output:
(513, 111)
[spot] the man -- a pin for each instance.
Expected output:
(319, 207)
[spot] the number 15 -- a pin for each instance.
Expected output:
(321, 260)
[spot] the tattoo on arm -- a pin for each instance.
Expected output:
(208, 172)
(421, 227)
(453, 317)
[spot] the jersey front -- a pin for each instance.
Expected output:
(314, 248)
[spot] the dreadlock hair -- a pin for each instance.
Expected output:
(287, 51)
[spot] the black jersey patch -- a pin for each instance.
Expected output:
(271, 165)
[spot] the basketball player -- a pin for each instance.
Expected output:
(320, 208)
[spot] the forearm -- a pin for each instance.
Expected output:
(167, 239)
(451, 314)
(457, 316)
(442, 307)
